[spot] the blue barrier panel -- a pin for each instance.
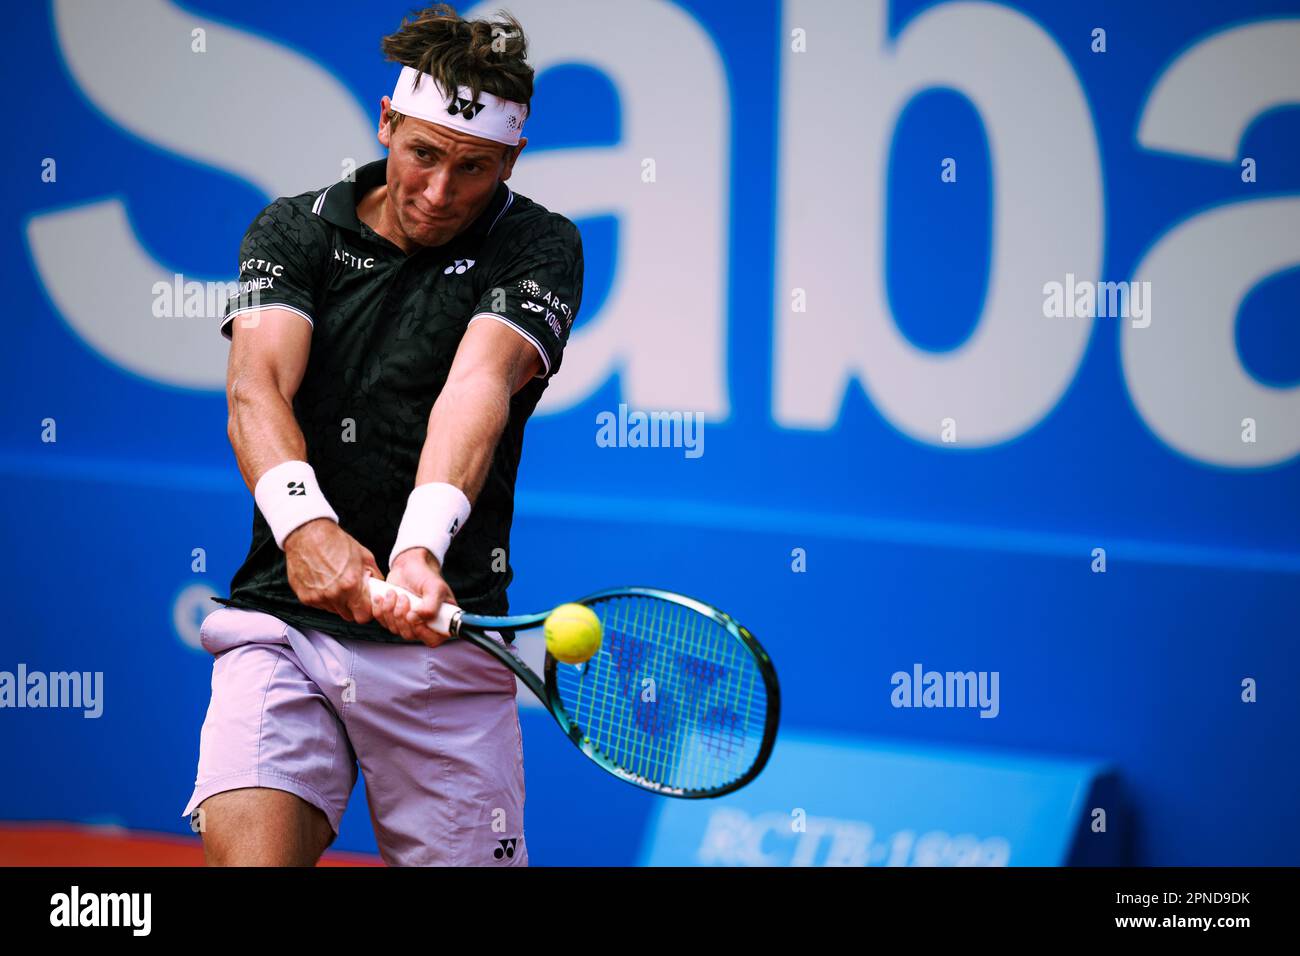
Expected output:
(825, 802)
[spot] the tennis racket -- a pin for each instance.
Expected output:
(680, 700)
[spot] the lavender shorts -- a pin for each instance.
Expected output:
(435, 730)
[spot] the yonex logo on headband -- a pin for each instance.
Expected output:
(464, 107)
(487, 116)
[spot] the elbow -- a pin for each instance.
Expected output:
(233, 430)
(241, 395)
(232, 409)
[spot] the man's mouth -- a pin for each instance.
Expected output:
(431, 220)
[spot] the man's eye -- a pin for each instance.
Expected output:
(422, 153)
(470, 167)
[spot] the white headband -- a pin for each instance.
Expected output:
(490, 117)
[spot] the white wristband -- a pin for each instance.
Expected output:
(288, 497)
(434, 513)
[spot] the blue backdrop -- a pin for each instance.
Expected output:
(787, 155)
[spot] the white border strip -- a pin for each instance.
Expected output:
(546, 359)
(262, 308)
(510, 199)
(319, 204)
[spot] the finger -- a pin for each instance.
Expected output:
(433, 602)
(425, 613)
(359, 603)
(400, 611)
(341, 607)
(425, 609)
(384, 611)
(378, 609)
(426, 632)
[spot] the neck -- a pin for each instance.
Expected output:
(376, 212)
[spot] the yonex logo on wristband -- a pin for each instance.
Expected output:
(284, 516)
(429, 507)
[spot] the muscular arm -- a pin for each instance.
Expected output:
(325, 565)
(492, 363)
(267, 362)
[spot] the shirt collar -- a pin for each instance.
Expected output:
(338, 203)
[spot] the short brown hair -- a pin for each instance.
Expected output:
(484, 55)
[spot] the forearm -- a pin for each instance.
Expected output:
(262, 429)
(464, 427)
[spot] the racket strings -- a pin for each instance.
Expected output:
(672, 696)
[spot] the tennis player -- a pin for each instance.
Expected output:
(393, 334)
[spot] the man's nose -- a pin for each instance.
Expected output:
(437, 192)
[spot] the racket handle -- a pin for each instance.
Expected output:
(441, 622)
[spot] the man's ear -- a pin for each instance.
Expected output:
(385, 133)
(511, 155)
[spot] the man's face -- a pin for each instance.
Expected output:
(440, 179)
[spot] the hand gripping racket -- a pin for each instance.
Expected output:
(680, 700)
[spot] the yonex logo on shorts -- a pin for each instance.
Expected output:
(506, 850)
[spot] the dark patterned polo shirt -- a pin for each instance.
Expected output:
(385, 328)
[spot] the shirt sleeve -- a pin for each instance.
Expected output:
(279, 264)
(537, 286)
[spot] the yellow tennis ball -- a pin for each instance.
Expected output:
(573, 633)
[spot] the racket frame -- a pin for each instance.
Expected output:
(466, 626)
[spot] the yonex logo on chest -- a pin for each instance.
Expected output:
(460, 267)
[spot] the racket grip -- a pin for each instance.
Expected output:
(441, 622)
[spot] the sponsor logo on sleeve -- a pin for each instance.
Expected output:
(558, 315)
(262, 265)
